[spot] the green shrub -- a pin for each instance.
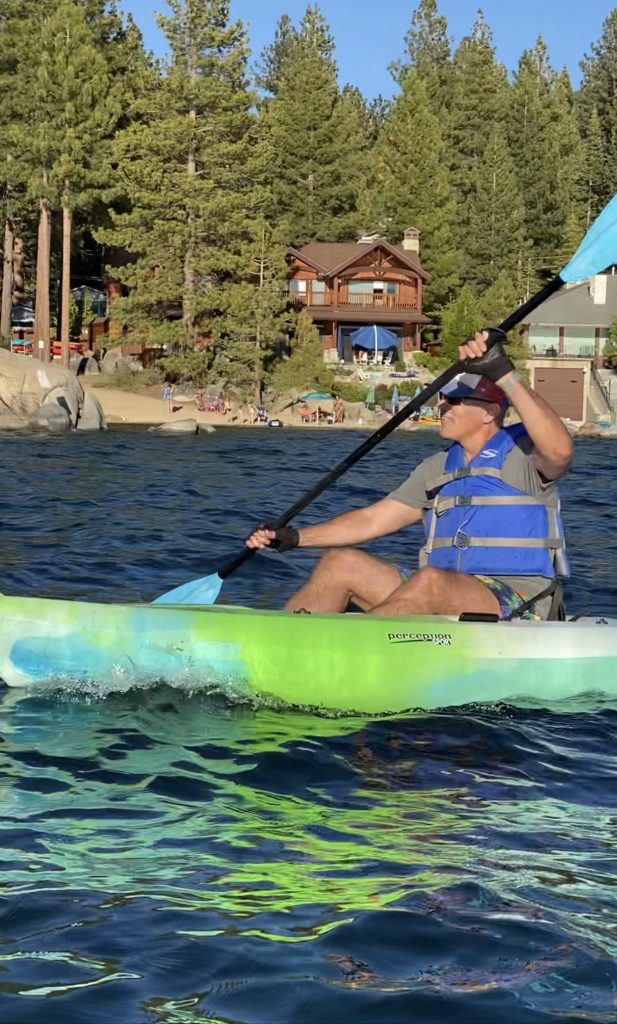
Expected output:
(351, 392)
(127, 379)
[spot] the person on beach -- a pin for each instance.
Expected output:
(489, 506)
(339, 409)
(168, 396)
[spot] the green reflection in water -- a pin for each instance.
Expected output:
(154, 802)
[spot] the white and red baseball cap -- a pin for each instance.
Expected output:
(472, 385)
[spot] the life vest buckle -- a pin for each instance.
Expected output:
(462, 540)
(462, 499)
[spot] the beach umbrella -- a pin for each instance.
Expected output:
(395, 395)
(370, 396)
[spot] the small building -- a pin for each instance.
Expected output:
(348, 285)
(565, 338)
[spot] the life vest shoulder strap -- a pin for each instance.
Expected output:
(434, 486)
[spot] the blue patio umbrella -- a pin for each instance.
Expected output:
(373, 337)
(395, 395)
(370, 396)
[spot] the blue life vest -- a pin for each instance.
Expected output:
(480, 524)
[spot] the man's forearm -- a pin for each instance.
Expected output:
(551, 440)
(351, 528)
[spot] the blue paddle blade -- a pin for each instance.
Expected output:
(203, 591)
(598, 250)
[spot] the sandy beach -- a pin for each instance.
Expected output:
(131, 407)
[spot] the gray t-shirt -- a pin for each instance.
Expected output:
(518, 470)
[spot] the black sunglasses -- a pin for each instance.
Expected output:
(466, 398)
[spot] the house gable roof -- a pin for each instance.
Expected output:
(575, 306)
(331, 258)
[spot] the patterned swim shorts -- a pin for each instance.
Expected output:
(509, 598)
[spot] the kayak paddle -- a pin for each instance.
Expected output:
(597, 251)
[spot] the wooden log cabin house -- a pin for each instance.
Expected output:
(369, 283)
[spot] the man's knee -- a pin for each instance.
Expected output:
(428, 580)
(341, 562)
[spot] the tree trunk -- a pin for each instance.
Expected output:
(67, 224)
(41, 348)
(7, 280)
(188, 291)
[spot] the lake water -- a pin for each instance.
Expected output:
(173, 858)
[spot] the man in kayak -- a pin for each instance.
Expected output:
(489, 505)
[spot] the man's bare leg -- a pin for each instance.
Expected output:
(438, 592)
(344, 575)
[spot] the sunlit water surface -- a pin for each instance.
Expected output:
(170, 857)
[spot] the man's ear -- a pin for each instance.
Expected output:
(492, 412)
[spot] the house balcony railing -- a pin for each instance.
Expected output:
(353, 301)
(584, 352)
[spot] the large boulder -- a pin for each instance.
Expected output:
(176, 427)
(91, 416)
(206, 428)
(26, 384)
(285, 400)
(54, 418)
(114, 360)
(67, 398)
(356, 412)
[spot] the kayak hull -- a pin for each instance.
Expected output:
(337, 663)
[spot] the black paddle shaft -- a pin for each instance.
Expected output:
(495, 334)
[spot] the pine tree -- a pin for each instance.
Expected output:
(274, 56)
(595, 175)
(192, 166)
(599, 92)
(536, 154)
(477, 107)
(428, 51)
(569, 171)
(408, 191)
(318, 139)
(496, 303)
(20, 22)
(460, 319)
(255, 314)
(305, 367)
(76, 111)
(495, 215)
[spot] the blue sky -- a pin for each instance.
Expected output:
(369, 35)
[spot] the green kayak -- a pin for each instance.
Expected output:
(338, 663)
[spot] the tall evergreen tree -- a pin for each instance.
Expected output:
(478, 105)
(275, 55)
(428, 51)
(595, 175)
(536, 152)
(191, 165)
(410, 187)
(495, 215)
(255, 312)
(319, 164)
(598, 92)
(76, 112)
(569, 170)
(460, 318)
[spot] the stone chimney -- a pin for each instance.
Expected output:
(597, 289)
(411, 240)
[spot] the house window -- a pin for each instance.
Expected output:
(579, 341)
(318, 289)
(361, 287)
(544, 341)
(298, 284)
